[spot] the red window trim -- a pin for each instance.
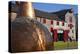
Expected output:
(70, 19)
(62, 23)
(57, 22)
(51, 21)
(51, 29)
(44, 20)
(68, 25)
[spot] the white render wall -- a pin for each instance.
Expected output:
(65, 27)
(60, 26)
(67, 18)
(54, 25)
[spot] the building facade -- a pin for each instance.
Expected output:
(60, 29)
(71, 21)
(56, 28)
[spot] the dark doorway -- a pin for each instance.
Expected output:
(60, 36)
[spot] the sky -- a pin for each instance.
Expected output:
(52, 7)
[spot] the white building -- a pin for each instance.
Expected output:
(56, 26)
(70, 19)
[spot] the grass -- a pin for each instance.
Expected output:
(65, 45)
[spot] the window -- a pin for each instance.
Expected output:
(68, 25)
(71, 26)
(51, 29)
(51, 22)
(70, 19)
(62, 23)
(57, 23)
(40, 19)
(72, 31)
(44, 20)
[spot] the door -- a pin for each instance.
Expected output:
(65, 37)
(60, 36)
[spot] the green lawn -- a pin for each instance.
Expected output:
(65, 45)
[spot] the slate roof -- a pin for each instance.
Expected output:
(61, 13)
(42, 14)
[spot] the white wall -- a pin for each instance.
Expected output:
(54, 25)
(67, 18)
